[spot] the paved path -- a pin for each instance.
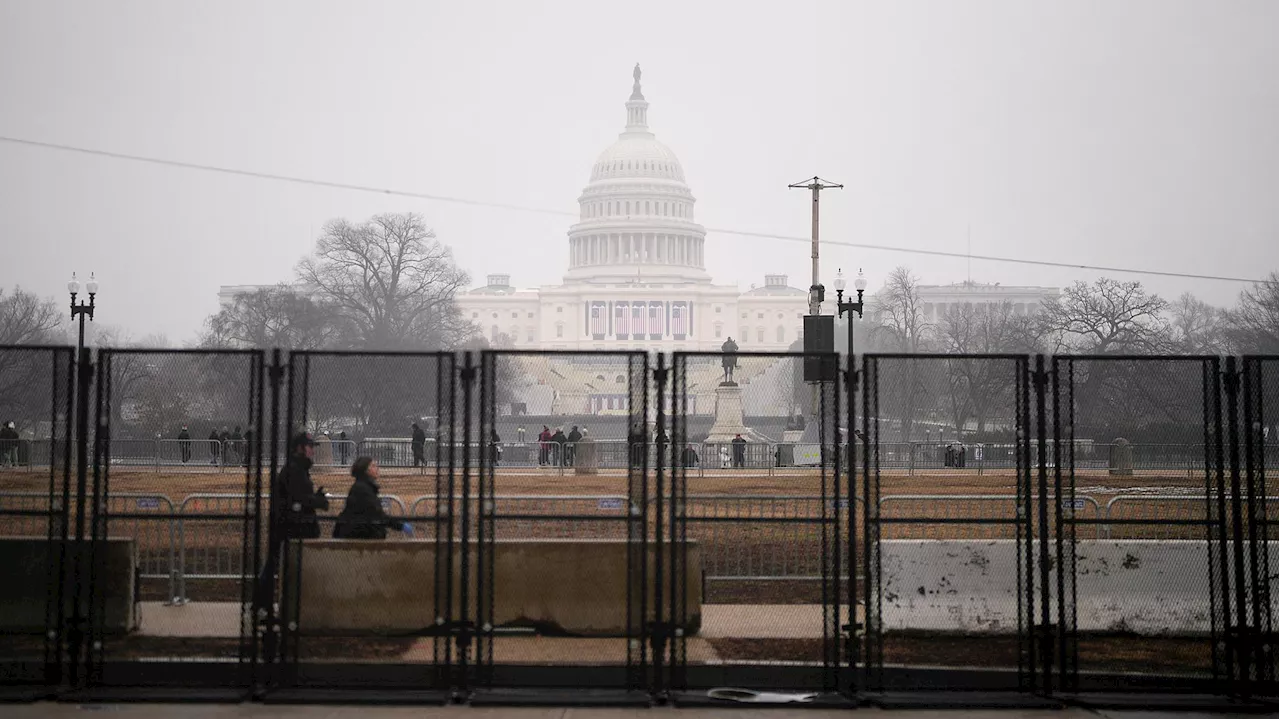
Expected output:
(744, 621)
(258, 711)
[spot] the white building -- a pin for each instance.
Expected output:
(636, 277)
(939, 300)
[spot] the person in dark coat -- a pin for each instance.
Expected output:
(294, 502)
(689, 457)
(237, 445)
(184, 444)
(296, 495)
(215, 446)
(342, 446)
(571, 449)
(418, 442)
(557, 446)
(248, 445)
(495, 447)
(363, 516)
(739, 450)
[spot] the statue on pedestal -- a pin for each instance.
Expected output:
(730, 360)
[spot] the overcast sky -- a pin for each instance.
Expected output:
(1131, 133)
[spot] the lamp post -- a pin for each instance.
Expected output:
(81, 309)
(859, 284)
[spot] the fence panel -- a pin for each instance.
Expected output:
(949, 570)
(582, 554)
(762, 517)
(37, 386)
(1151, 585)
(346, 613)
(146, 400)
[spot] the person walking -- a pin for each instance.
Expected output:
(739, 451)
(418, 442)
(184, 444)
(363, 516)
(342, 446)
(495, 447)
(294, 504)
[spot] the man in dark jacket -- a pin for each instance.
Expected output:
(739, 450)
(571, 449)
(295, 494)
(248, 446)
(294, 502)
(557, 446)
(215, 446)
(689, 457)
(184, 444)
(418, 442)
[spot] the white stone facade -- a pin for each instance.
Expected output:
(939, 300)
(636, 276)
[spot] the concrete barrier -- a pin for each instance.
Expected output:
(25, 590)
(1151, 587)
(572, 586)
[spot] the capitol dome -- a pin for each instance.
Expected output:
(636, 212)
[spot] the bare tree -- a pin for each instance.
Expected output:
(898, 313)
(25, 319)
(899, 326)
(977, 386)
(1107, 317)
(1195, 326)
(279, 316)
(1251, 326)
(391, 279)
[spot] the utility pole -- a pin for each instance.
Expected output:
(815, 185)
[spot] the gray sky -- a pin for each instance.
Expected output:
(1138, 133)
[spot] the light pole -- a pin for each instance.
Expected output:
(859, 284)
(81, 309)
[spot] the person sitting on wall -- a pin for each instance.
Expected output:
(363, 516)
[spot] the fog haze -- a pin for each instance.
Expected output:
(1138, 134)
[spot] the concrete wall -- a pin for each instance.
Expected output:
(576, 586)
(25, 589)
(1144, 586)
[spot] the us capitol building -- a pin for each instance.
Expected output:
(637, 278)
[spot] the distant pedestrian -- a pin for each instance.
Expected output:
(248, 446)
(571, 449)
(544, 446)
(237, 446)
(184, 444)
(417, 443)
(342, 446)
(215, 446)
(739, 451)
(558, 441)
(689, 457)
(520, 434)
(495, 447)
(8, 445)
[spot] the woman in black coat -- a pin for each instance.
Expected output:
(363, 516)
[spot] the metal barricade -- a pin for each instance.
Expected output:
(978, 507)
(224, 559)
(1173, 507)
(156, 540)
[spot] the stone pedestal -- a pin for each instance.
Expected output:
(729, 419)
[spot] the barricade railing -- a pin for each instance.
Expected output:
(156, 540)
(981, 507)
(218, 560)
(1177, 507)
(165, 551)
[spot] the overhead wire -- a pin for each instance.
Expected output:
(564, 213)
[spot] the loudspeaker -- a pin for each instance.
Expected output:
(820, 338)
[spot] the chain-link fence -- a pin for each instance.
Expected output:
(36, 392)
(154, 410)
